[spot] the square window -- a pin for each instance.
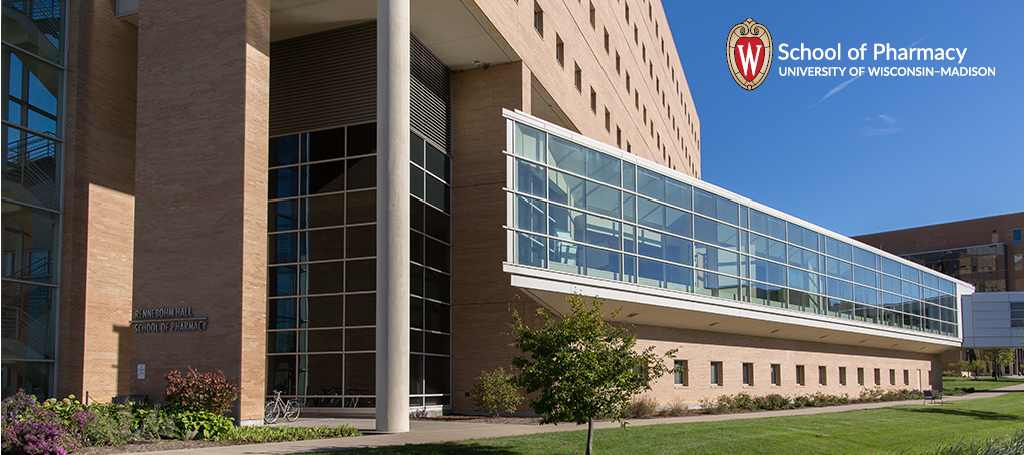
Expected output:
(716, 373)
(776, 374)
(748, 374)
(682, 373)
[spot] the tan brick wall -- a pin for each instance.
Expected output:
(99, 186)
(201, 194)
(584, 46)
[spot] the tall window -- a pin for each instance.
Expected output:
(593, 15)
(800, 375)
(878, 376)
(842, 376)
(607, 41)
(822, 375)
(559, 50)
(716, 373)
(748, 374)
(593, 100)
(892, 377)
(860, 376)
(578, 77)
(776, 374)
(906, 377)
(538, 18)
(682, 373)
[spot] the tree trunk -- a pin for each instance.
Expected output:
(590, 436)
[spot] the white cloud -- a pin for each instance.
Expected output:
(889, 126)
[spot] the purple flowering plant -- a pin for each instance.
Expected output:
(29, 428)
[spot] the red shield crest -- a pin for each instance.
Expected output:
(749, 53)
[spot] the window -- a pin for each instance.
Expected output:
(636, 35)
(618, 136)
(618, 63)
(748, 374)
(629, 148)
(776, 374)
(636, 96)
(800, 375)
(607, 42)
(538, 18)
(878, 376)
(607, 120)
(906, 377)
(627, 13)
(627, 82)
(593, 16)
(1016, 237)
(860, 376)
(822, 376)
(559, 50)
(716, 373)
(578, 76)
(593, 100)
(892, 377)
(842, 376)
(682, 373)
(644, 54)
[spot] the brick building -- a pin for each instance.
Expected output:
(344, 201)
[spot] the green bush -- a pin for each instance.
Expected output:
(676, 409)
(205, 392)
(773, 401)
(640, 407)
(709, 406)
(496, 391)
(206, 425)
(263, 434)
(153, 423)
(110, 424)
(958, 391)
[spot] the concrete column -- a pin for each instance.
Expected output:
(393, 216)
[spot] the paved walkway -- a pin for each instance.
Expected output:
(428, 432)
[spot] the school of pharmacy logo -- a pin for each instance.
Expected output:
(749, 52)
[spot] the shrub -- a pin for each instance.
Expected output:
(640, 407)
(205, 392)
(204, 424)
(31, 429)
(109, 424)
(496, 391)
(263, 434)
(710, 406)
(676, 409)
(800, 401)
(772, 401)
(958, 391)
(153, 423)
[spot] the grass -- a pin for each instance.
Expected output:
(897, 430)
(982, 383)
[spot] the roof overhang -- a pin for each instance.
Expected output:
(645, 305)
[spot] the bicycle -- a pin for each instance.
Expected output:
(276, 407)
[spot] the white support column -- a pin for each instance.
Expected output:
(393, 216)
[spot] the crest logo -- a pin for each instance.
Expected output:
(749, 52)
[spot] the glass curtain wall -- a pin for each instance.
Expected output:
(33, 83)
(321, 315)
(582, 211)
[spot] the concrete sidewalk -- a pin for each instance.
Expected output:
(430, 432)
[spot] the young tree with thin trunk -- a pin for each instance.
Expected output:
(583, 366)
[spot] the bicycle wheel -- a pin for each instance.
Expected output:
(271, 412)
(291, 411)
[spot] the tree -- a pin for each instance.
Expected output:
(495, 391)
(999, 358)
(582, 366)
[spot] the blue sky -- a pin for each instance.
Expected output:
(882, 153)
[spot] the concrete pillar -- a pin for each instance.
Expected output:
(393, 216)
(201, 191)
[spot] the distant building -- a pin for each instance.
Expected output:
(986, 252)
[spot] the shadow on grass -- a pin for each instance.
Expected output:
(464, 448)
(939, 409)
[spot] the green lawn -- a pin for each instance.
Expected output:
(900, 429)
(982, 383)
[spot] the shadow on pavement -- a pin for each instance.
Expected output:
(465, 448)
